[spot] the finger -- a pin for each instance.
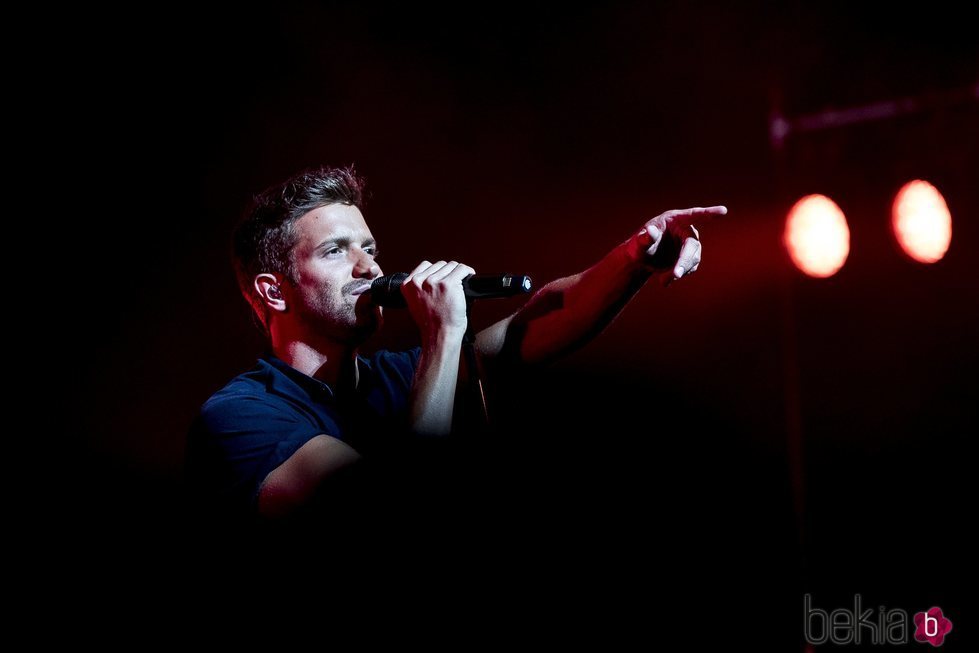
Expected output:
(461, 272)
(649, 235)
(685, 217)
(443, 272)
(689, 257)
(644, 239)
(418, 268)
(699, 210)
(418, 278)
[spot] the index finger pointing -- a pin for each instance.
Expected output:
(701, 210)
(687, 216)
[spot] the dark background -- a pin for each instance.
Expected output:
(649, 477)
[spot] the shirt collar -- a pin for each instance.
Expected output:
(286, 378)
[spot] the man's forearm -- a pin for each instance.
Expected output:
(434, 386)
(568, 312)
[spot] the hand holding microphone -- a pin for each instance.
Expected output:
(437, 294)
(386, 290)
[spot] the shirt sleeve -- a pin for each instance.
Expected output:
(241, 439)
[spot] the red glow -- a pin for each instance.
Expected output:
(921, 221)
(817, 236)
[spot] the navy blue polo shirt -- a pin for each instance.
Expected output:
(263, 416)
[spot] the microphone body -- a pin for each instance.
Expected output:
(386, 290)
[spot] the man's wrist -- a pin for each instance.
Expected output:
(445, 335)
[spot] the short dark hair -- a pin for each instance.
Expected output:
(264, 238)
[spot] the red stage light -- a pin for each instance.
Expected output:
(921, 221)
(817, 236)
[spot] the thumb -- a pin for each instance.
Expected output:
(644, 239)
(644, 243)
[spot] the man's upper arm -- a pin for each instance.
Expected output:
(507, 340)
(295, 483)
(491, 340)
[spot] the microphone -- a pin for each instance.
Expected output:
(386, 290)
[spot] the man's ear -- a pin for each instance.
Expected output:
(270, 290)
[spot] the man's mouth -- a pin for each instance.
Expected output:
(361, 289)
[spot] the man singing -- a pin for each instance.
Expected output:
(271, 443)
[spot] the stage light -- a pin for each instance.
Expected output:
(921, 221)
(817, 236)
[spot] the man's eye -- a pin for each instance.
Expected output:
(371, 251)
(332, 250)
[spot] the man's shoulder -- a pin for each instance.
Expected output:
(248, 391)
(253, 381)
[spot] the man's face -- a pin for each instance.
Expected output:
(334, 262)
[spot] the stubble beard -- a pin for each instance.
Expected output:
(351, 319)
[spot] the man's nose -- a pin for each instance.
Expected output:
(364, 266)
